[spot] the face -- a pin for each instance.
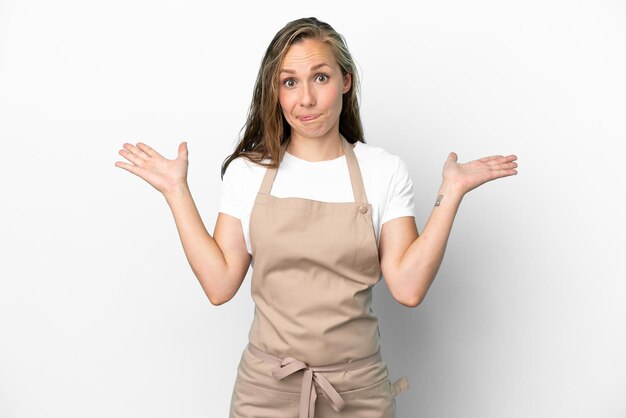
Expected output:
(311, 88)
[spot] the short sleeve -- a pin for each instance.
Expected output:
(230, 199)
(401, 198)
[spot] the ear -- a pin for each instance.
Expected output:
(347, 82)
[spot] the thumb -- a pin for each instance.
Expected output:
(452, 156)
(183, 151)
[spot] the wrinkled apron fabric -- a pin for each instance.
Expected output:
(314, 348)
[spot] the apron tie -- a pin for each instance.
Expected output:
(308, 394)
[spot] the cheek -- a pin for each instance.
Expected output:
(285, 102)
(281, 101)
(336, 98)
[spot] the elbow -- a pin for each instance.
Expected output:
(411, 303)
(410, 299)
(214, 290)
(217, 299)
(413, 297)
(216, 302)
(214, 297)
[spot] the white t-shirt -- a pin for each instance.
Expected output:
(387, 183)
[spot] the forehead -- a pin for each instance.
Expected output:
(308, 52)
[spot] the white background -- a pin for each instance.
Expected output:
(100, 313)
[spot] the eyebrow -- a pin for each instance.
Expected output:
(315, 67)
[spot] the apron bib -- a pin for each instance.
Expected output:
(314, 333)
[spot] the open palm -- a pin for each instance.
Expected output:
(163, 174)
(468, 176)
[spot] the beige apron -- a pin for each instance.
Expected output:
(314, 333)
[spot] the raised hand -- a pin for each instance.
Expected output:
(162, 174)
(467, 176)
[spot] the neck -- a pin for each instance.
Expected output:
(328, 147)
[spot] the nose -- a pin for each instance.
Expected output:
(308, 96)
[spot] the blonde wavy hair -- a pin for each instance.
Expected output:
(266, 129)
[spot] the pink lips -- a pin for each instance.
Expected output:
(305, 118)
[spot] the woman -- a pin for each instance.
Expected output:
(344, 218)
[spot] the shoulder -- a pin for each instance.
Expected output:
(377, 159)
(242, 168)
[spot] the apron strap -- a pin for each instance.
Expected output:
(358, 189)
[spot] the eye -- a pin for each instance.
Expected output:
(287, 82)
(323, 77)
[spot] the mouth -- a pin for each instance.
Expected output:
(306, 118)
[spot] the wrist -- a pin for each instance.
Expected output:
(177, 192)
(452, 190)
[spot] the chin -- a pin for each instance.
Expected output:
(312, 133)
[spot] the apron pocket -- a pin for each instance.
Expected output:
(250, 400)
(265, 392)
(374, 401)
(367, 391)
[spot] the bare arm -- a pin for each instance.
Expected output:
(417, 257)
(410, 261)
(221, 262)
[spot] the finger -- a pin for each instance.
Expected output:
(490, 158)
(501, 162)
(148, 150)
(135, 150)
(503, 173)
(183, 151)
(507, 159)
(138, 171)
(502, 166)
(133, 158)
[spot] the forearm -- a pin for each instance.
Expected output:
(202, 252)
(420, 263)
